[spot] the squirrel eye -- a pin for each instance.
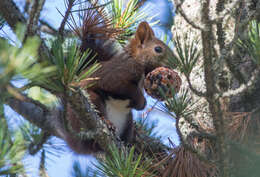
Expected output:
(158, 49)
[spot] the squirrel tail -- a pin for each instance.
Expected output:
(95, 31)
(77, 143)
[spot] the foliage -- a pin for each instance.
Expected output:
(70, 63)
(2, 22)
(147, 127)
(123, 163)
(180, 105)
(37, 140)
(252, 43)
(41, 95)
(187, 54)
(21, 62)
(12, 151)
(67, 68)
(127, 17)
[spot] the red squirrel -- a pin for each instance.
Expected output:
(119, 87)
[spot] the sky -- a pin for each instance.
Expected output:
(61, 165)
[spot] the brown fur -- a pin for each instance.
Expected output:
(120, 76)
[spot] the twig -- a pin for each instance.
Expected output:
(199, 132)
(34, 15)
(197, 92)
(26, 6)
(93, 7)
(140, 3)
(186, 145)
(183, 14)
(226, 52)
(42, 168)
(65, 18)
(35, 147)
(244, 87)
(34, 113)
(47, 28)
(203, 135)
(80, 102)
(220, 32)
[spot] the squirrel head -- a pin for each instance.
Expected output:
(147, 49)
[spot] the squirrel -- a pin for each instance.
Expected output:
(120, 85)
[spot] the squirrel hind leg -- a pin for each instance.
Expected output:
(128, 135)
(78, 145)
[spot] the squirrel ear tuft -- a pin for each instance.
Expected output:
(144, 32)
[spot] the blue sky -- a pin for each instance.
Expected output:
(61, 166)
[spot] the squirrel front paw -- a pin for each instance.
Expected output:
(138, 104)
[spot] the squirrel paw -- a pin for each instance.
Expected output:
(138, 104)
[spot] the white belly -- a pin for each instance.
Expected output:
(117, 112)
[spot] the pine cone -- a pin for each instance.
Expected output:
(162, 80)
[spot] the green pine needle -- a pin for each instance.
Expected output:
(126, 18)
(123, 163)
(187, 54)
(70, 63)
(21, 62)
(252, 44)
(180, 105)
(2, 22)
(12, 151)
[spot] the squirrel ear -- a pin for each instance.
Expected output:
(144, 32)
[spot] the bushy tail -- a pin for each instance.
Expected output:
(95, 31)
(76, 143)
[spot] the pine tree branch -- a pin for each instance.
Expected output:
(227, 50)
(250, 85)
(200, 132)
(34, 112)
(11, 13)
(148, 145)
(42, 168)
(34, 15)
(13, 16)
(45, 27)
(65, 17)
(212, 92)
(51, 121)
(80, 102)
(187, 145)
